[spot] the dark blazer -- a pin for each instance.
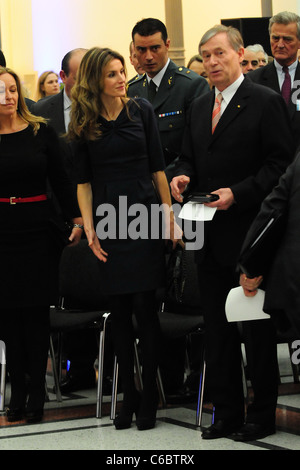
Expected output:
(282, 283)
(267, 76)
(178, 88)
(29, 103)
(246, 153)
(52, 108)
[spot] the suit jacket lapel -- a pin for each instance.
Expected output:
(56, 113)
(234, 108)
(269, 76)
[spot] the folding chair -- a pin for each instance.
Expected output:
(3, 375)
(82, 306)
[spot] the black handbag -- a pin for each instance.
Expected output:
(176, 274)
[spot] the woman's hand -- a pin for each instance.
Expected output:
(172, 232)
(75, 235)
(250, 285)
(94, 244)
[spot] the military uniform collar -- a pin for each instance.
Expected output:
(158, 77)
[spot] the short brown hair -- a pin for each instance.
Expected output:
(234, 36)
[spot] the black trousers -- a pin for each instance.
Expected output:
(143, 306)
(26, 332)
(223, 351)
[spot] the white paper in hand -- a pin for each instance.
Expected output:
(238, 307)
(197, 211)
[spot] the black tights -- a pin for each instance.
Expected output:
(144, 307)
(25, 332)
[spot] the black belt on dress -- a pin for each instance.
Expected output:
(16, 200)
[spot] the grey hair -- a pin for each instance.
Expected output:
(257, 48)
(233, 34)
(285, 17)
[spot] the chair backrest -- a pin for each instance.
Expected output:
(79, 278)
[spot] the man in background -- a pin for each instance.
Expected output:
(170, 88)
(283, 74)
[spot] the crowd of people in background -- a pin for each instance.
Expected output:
(211, 127)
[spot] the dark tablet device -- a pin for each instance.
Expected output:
(201, 197)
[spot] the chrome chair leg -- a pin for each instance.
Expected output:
(114, 392)
(55, 373)
(3, 375)
(100, 367)
(161, 390)
(201, 396)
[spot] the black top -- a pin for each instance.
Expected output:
(26, 161)
(119, 166)
(26, 235)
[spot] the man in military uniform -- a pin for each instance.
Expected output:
(135, 63)
(169, 88)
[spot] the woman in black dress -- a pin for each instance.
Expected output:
(29, 156)
(121, 165)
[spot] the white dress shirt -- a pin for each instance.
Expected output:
(229, 92)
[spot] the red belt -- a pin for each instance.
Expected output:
(15, 200)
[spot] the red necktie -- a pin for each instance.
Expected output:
(286, 87)
(216, 114)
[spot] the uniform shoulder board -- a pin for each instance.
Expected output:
(135, 79)
(186, 72)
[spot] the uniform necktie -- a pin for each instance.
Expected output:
(151, 91)
(216, 114)
(286, 87)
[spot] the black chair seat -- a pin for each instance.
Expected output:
(175, 326)
(68, 320)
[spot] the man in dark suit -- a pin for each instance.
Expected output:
(284, 29)
(57, 108)
(240, 158)
(282, 293)
(174, 88)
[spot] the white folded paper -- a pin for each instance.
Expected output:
(238, 307)
(197, 211)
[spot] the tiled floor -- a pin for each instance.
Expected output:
(72, 425)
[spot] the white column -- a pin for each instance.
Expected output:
(266, 8)
(174, 24)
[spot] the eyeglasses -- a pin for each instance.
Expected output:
(253, 62)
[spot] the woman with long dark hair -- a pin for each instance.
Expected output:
(121, 164)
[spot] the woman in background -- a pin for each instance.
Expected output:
(47, 85)
(29, 157)
(119, 156)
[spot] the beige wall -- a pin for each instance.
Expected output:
(36, 34)
(198, 16)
